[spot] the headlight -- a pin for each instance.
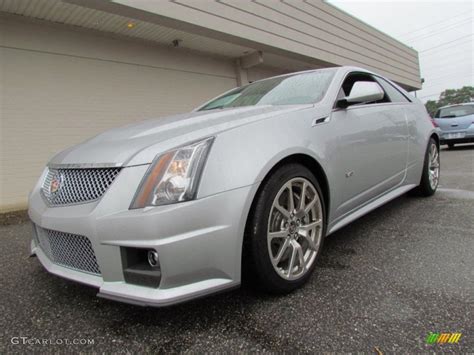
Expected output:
(173, 176)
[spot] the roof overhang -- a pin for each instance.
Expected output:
(259, 32)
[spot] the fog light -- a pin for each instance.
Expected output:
(153, 259)
(141, 266)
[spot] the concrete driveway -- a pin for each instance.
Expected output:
(382, 284)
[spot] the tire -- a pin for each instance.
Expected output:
(426, 187)
(265, 218)
(450, 145)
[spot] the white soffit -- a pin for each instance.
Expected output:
(74, 15)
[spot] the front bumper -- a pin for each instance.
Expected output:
(199, 242)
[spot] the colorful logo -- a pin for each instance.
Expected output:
(443, 338)
(56, 183)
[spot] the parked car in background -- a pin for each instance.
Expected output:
(456, 123)
(170, 209)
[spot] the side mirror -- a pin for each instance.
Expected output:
(362, 91)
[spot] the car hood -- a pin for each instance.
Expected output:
(122, 146)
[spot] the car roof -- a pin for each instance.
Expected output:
(345, 68)
(463, 104)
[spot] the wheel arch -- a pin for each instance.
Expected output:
(310, 163)
(435, 136)
(307, 161)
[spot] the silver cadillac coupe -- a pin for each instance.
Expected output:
(171, 209)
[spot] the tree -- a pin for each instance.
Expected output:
(459, 96)
(451, 97)
(431, 107)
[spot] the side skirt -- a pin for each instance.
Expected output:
(379, 201)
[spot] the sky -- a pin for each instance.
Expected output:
(441, 32)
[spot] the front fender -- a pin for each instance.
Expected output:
(244, 156)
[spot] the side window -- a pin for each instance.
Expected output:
(392, 92)
(351, 79)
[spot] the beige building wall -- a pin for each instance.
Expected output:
(71, 69)
(60, 86)
(305, 29)
(262, 72)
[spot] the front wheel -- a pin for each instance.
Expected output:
(286, 229)
(431, 170)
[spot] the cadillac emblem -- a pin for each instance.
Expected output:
(56, 183)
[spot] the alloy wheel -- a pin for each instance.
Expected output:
(433, 166)
(295, 228)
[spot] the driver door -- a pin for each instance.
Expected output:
(372, 148)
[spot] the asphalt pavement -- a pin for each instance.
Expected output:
(382, 284)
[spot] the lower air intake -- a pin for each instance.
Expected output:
(68, 250)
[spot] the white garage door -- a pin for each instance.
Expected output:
(59, 87)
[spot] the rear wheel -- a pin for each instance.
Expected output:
(450, 145)
(431, 170)
(286, 229)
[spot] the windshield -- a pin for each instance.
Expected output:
(296, 89)
(455, 111)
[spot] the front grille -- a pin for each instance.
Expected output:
(71, 186)
(69, 250)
